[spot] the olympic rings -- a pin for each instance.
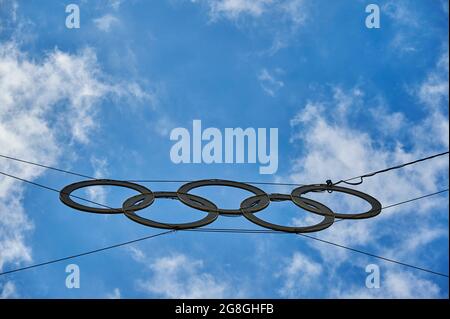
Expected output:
(248, 207)
(65, 193)
(184, 189)
(374, 211)
(129, 211)
(325, 223)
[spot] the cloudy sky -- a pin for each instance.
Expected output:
(102, 100)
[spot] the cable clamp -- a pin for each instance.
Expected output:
(329, 184)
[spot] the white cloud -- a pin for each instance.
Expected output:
(295, 11)
(163, 126)
(407, 27)
(299, 275)
(43, 86)
(292, 11)
(179, 276)
(434, 90)
(137, 254)
(400, 13)
(280, 19)
(106, 22)
(269, 83)
(31, 93)
(98, 194)
(115, 294)
(45, 104)
(337, 151)
(433, 94)
(410, 25)
(234, 8)
(393, 284)
(389, 122)
(402, 44)
(115, 4)
(8, 13)
(338, 148)
(8, 290)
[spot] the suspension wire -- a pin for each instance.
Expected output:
(85, 253)
(414, 199)
(361, 177)
(346, 181)
(209, 230)
(375, 256)
(406, 201)
(51, 189)
(106, 206)
(224, 230)
(132, 180)
(46, 166)
(188, 181)
(250, 231)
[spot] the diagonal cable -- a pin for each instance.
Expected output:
(90, 252)
(220, 230)
(346, 181)
(361, 177)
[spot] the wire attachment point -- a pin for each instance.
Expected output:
(329, 184)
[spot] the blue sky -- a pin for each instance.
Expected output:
(102, 100)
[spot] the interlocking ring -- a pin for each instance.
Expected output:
(184, 196)
(325, 211)
(248, 207)
(298, 199)
(129, 211)
(65, 195)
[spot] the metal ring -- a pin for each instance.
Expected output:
(129, 211)
(65, 195)
(248, 206)
(374, 211)
(325, 211)
(184, 196)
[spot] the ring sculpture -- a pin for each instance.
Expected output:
(248, 208)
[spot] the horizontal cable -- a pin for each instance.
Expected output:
(135, 180)
(106, 206)
(346, 181)
(188, 181)
(218, 230)
(224, 230)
